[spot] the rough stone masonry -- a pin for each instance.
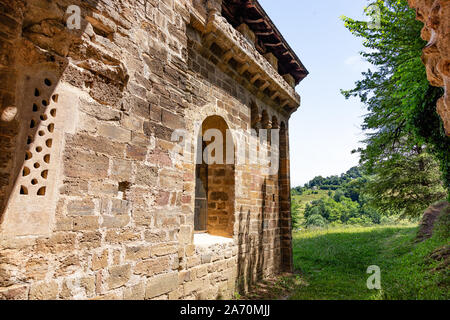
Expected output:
(435, 14)
(95, 200)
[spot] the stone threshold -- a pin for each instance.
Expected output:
(205, 240)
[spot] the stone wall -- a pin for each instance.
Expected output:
(88, 115)
(221, 193)
(435, 14)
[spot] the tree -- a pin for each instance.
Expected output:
(338, 195)
(399, 100)
(333, 211)
(353, 173)
(316, 220)
(297, 191)
(295, 214)
(406, 186)
(352, 188)
(333, 182)
(316, 182)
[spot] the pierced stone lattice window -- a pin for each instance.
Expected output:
(39, 141)
(48, 110)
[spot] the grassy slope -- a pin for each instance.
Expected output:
(334, 263)
(308, 197)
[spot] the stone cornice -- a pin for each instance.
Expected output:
(251, 69)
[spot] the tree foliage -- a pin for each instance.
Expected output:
(316, 220)
(332, 182)
(337, 211)
(401, 105)
(346, 205)
(405, 186)
(295, 212)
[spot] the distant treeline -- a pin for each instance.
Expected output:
(333, 182)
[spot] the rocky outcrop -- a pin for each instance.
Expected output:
(435, 14)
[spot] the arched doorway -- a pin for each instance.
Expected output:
(215, 179)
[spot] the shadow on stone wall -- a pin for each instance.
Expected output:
(251, 256)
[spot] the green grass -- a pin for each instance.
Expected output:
(334, 262)
(308, 196)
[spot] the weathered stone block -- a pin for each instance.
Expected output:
(100, 261)
(44, 291)
(196, 285)
(143, 217)
(171, 179)
(157, 130)
(171, 120)
(68, 265)
(90, 240)
(164, 249)
(155, 236)
(167, 220)
(114, 132)
(136, 152)
(99, 111)
(118, 276)
(185, 235)
(119, 207)
(121, 235)
(155, 113)
(160, 158)
(162, 199)
(206, 258)
(136, 292)
(18, 292)
(79, 164)
(115, 221)
(146, 175)
(104, 93)
(85, 223)
(97, 144)
(153, 266)
(435, 15)
(201, 272)
(135, 253)
(193, 261)
(121, 170)
(84, 207)
(78, 288)
(184, 276)
(60, 242)
(190, 250)
(160, 285)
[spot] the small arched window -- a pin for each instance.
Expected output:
(215, 179)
